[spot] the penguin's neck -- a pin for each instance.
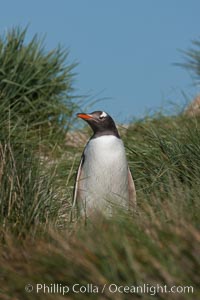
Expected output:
(108, 132)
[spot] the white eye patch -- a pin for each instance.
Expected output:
(103, 115)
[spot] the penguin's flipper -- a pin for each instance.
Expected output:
(76, 187)
(132, 191)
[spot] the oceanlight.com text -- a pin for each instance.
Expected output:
(112, 288)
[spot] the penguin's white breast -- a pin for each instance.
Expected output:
(105, 167)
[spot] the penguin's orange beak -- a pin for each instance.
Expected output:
(84, 116)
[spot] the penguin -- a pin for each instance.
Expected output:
(103, 182)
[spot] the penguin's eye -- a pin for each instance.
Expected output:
(103, 115)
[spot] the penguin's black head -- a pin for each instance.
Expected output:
(101, 123)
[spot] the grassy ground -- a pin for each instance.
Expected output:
(158, 245)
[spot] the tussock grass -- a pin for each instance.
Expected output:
(159, 244)
(36, 110)
(36, 89)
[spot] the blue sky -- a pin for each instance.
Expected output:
(125, 49)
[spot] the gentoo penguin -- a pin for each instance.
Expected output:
(104, 180)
